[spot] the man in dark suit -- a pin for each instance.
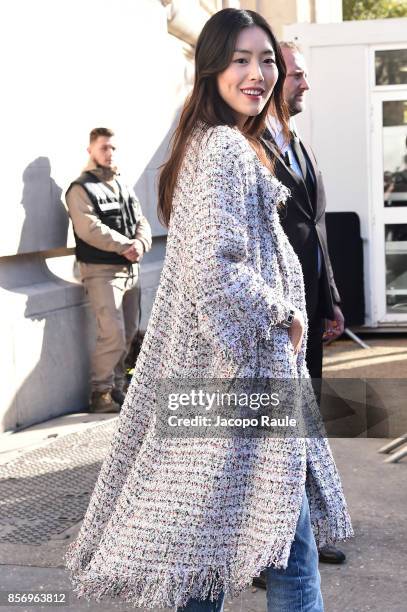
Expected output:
(303, 220)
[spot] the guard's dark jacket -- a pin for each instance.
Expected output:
(121, 212)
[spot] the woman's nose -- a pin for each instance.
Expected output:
(256, 73)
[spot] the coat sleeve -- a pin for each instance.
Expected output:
(329, 271)
(334, 290)
(143, 229)
(235, 306)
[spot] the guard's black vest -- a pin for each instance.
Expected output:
(117, 212)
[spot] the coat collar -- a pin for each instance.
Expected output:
(291, 178)
(102, 173)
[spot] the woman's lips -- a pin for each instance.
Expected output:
(253, 93)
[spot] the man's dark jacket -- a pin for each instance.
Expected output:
(303, 220)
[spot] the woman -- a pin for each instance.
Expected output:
(184, 522)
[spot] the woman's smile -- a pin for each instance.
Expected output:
(254, 93)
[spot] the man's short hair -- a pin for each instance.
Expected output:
(100, 131)
(289, 44)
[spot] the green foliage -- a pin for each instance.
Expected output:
(373, 9)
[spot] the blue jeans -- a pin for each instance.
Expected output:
(294, 589)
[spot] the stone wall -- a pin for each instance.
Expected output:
(73, 66)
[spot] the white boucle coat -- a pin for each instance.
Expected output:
(171, 519)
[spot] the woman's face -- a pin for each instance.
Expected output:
(249, 80)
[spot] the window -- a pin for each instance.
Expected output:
(391, 67)
(396, 267)
(395, 153)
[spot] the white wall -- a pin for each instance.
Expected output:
(328, 11)
(339, 120)
(69, 66)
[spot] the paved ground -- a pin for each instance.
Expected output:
(386, 357)
(374, 578)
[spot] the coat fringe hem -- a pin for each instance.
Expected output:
(331, 530)
(168, 587)
(173, 587)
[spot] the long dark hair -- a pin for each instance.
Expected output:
(213, 54)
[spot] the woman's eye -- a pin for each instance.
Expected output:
(241, 60)
(270, 60)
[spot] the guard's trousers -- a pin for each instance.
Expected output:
(114, 297)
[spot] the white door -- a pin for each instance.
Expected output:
(389, 200)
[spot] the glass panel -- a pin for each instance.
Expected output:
(396, 267)
(395, 153)
(391, 67)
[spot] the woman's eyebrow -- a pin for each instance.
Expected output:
(268, 51)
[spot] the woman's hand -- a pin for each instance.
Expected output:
(296, 331)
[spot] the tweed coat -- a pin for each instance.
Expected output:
(171, 519)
